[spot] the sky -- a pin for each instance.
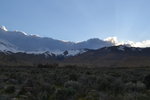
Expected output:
(78, 20)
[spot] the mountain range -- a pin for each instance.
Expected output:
(20, 41)
(18, 48)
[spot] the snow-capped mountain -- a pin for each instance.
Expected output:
(32, 43)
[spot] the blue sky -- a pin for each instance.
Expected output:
(77, 20)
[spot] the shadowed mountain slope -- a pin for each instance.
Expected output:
(115, 56)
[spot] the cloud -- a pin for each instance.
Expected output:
(113, 40)
(141, 44)
(145, 43)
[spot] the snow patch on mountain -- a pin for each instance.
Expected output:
(75, 52)
(58, 52)
(21, 32)
(5, 46)
(3, 28)
(121, 48)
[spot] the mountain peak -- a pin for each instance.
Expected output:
(3, 28)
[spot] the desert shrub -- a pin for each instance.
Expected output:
(3, 97)
(135, 96)
(141, 96)
(47, 88)
(147, 81)
(140, 86)
(65, 93)
(12, 81)
(10, 89)
(92, 95)
(72, 84)
(73, 77)
(29, 82)
(43, 95)
(21, 91)
(130, 87)
(117, 86)
(104, 83)
(136, 87)
(88, 81)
